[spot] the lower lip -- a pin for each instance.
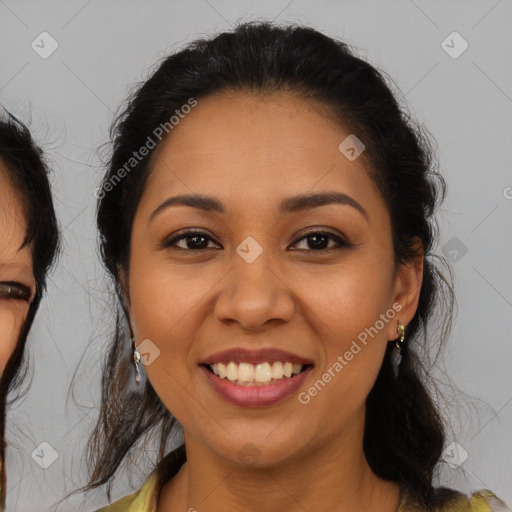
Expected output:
(255, 396)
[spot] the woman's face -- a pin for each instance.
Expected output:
(260, 276)
(17, 283)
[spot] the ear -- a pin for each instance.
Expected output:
(124, 296)
(124, 288)
(406, 289)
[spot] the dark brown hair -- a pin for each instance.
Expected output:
(404, 433)
(25, 168)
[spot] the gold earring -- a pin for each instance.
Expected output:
(396, 356)
(136, 361)
(401, 332)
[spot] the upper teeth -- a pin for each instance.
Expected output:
(247, 372)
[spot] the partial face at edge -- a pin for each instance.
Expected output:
(17, 283)
(308, 295)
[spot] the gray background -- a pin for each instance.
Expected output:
(70, 97)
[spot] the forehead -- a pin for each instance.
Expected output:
(253, 147)
(13, 222)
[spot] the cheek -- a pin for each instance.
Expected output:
(161, 298)
(11, 321)
(168, 305)
(346, 311)
(350, 298)
(167, 308)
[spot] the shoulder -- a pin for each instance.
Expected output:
(146, 498)
(487, 501)
(143, 500)
(483, 500)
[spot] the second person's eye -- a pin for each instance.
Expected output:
(14, 291)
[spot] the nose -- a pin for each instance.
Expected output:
(255, 294)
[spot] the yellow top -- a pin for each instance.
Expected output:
(143, 500)
(484, 500)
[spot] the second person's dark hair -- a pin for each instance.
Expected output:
(24, 165)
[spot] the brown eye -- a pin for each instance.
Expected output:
(319, 241)
(14, 291)
(194, 241)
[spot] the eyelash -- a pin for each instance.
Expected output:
(21, 292)
(190, 234)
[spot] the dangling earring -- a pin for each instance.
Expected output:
(396, 356)
(136, 360)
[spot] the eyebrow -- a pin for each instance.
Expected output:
(288, 205)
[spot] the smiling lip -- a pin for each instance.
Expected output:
(264, 355)
(255, 396)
